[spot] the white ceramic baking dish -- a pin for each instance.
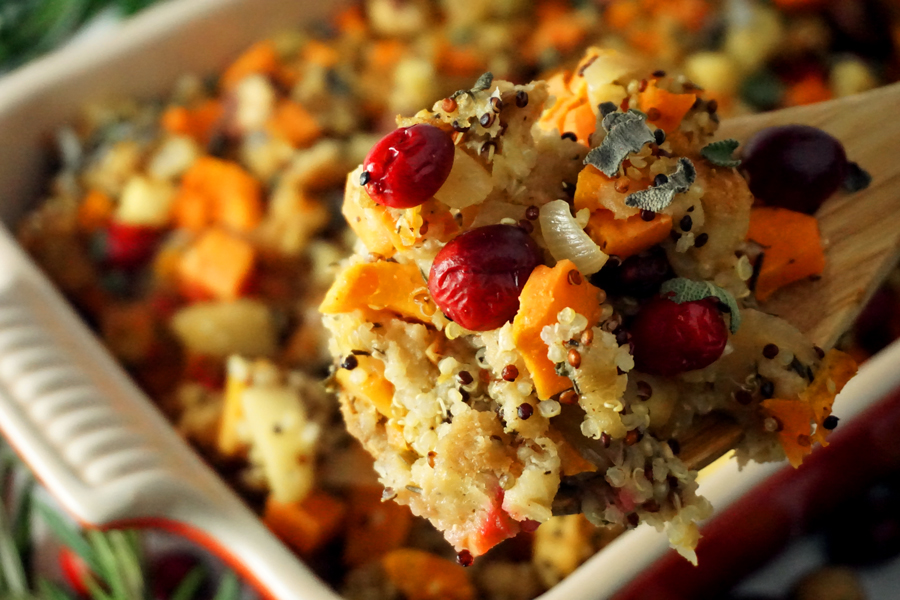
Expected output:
(89, 434)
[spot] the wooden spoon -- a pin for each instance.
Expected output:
(861, 232)
(862, 244)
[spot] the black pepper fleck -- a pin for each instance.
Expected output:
(606, 108)
(350, 363)
(686, 223)
(830, 422)
(701, 240)
(770, 351)
(660, 136)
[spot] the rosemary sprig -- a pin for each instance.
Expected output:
(29, 28)
(115, 558)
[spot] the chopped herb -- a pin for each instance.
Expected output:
(562, 369)
(483, 83)
(657, 198)
(627, 133)
(607, 107)
(721, 153)
(682, 290)
(857, 178)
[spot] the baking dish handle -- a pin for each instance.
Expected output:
(103, 450)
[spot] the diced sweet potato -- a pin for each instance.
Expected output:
(797, 416)
(627, 237)
(672, 107)
(374, 527)
(295, 124)
(308, 525)
(580, 120)
(587, 190)
(420, 575)
(218, 263)
(835, 370)
(367, 381)
(792, 245)
(261, 57)
(378, 286)
(595, 190)
(218, 191)
(372, 222)
(545, 294)
(95, 211)
(197, 122)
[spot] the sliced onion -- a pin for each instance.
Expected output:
(565, 239)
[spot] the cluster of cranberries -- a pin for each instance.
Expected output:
(477, 278)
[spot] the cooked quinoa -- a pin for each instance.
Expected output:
(127, 225)
(467, 427)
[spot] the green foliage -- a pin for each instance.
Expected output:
(28, 28)
(114, 557)
(682, 290)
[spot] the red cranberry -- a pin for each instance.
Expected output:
(794, 166)
(407, 166)
(130, 246)
(671, 338)
(75, 571)
(208, 371)
(639, 275)
(476, 279)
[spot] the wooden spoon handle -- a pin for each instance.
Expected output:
(862, 230)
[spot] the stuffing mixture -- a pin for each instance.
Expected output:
(532, 322)
(489, 332)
